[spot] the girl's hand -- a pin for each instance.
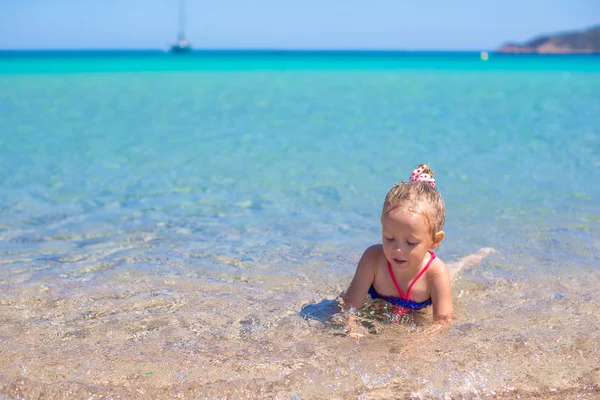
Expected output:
(351, 327)
(433, 329)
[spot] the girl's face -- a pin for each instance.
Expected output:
(405, 238)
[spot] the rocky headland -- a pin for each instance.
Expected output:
(579, 42)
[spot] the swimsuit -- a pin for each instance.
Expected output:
(403, 301)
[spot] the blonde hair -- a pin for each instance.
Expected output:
(420, 197)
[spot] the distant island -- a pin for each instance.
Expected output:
(580, 42)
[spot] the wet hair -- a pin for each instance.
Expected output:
(418, 197)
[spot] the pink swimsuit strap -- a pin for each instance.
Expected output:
(407, 297)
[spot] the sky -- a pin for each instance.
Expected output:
(284, 24)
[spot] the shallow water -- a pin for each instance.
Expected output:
(160, 232)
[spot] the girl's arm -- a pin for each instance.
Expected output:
(441, 294)
(363, 278)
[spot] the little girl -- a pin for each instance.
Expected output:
(404, 270)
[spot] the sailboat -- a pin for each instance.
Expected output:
(182, 45)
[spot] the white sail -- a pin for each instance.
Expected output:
(182, 45)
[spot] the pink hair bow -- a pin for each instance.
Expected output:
(419, 176)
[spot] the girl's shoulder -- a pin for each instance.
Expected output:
(374, 252)
(374, 255)
(438, 271)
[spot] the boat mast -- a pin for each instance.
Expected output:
(181, 20)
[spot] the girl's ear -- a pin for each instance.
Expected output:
(437, 239)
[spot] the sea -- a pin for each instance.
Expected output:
(183, 226)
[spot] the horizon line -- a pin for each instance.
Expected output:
(273, 51)
(254, 50)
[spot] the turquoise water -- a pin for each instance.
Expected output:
(256, 180)
(18, 62)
